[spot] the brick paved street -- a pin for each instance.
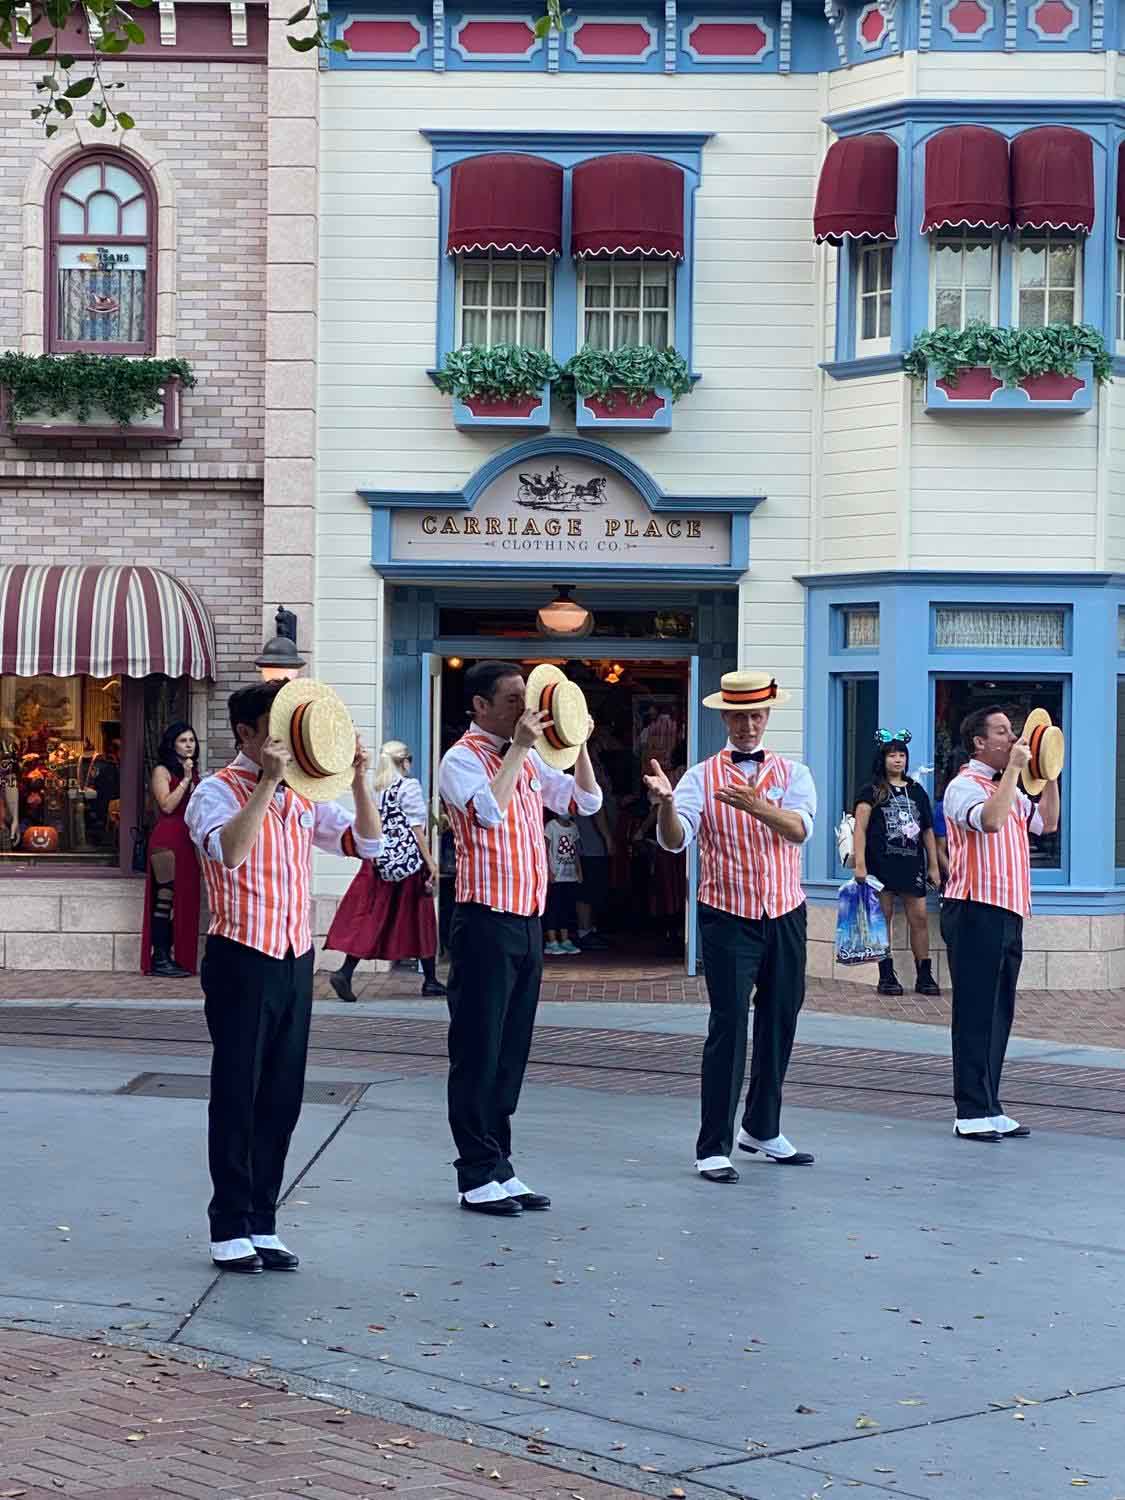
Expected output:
(1091, 1017)
(85, 1419)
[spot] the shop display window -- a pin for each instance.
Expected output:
(1119, 821)
(954, 697)
(860, 719)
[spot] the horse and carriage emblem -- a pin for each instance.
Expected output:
(553, 491)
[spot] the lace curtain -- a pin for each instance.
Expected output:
(1001, 629)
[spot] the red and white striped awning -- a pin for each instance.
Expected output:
(101, 621)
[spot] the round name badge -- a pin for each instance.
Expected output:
(775, 794)
(536, 784)
(307, 820)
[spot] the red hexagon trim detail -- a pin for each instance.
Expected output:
(967, 18)
(872, 26)
(977, 383)
(388, 38)
(1052, 387)
(496, 38)
(596, 39)
(1053, 19)
(726, 39)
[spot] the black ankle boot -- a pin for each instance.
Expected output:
(164, 968)
(888, 979)
(925, 983)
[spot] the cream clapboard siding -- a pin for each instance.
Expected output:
(1114, 398)
(993, 491)
(860, 481)
(746, 427)
(870, 83)
(1012, 75)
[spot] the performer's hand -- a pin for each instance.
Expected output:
(742, 798)
(1020, 755)
(531, 725)
(659, 787)
(276, 760)
(589, 725)
(361, 762)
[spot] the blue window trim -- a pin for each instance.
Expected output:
(567, 149)
(1088, 879)
(911, 123)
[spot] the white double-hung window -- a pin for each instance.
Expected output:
(504, 299)
(875, 271)
(1048, 278)
(964, 277)
(626, 300)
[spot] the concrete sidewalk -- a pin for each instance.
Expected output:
(913, 1315)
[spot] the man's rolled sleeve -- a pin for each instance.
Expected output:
(964, 802)
(463, 784)
(800, 796)
(688, 802)
(210, 808)
(334, 833)
(561, 793)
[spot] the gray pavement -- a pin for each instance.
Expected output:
(912, 1316)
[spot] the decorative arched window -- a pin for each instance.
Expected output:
(101, 218)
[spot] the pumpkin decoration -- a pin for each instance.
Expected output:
(40, 839)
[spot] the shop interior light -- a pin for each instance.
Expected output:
(563, 617)
(455, 663)
(280, 659)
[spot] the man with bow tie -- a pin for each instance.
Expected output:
(751, 810)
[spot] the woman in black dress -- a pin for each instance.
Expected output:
(894, 842)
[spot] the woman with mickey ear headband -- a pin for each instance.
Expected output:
(894, 843)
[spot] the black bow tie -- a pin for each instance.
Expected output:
(738, 756)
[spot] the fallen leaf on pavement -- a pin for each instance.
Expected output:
(1024, 1401)
(864, 1423)
(912, 1401)
(135, 1437)
(806, 1411)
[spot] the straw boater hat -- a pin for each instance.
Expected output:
(314, 725)
(1048, 750)
(743, 690)
(550, 692)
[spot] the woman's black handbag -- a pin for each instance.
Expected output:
(140, 851)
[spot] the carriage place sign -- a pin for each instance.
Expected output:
(565, 508)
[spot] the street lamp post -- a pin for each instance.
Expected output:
(279, 658)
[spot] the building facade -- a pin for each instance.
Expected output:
(787, 194)
(134, 558)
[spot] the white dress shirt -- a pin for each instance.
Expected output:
(463, 780)
(212, 805)
(411, 801)
(965, 798)
(799, 797)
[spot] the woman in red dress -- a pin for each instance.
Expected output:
(171, 921)
(388, 910)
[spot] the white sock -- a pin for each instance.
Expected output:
(778, 1146)
(491, 1192)
(268, 1242)
(231, 1249)
(712, 1163)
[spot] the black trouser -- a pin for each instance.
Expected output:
(258, 1011)
(739, 952)
(985, 948)
(496, 969)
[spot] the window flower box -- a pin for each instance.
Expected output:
(154, 428)
(979, 388)
(526, 413)
(616, 411)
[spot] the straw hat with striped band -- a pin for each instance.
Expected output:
(549, 692)
(1048, 751)
(745, 690)
(313, 723)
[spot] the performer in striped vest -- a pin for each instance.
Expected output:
(988, 894)
(255, 824)
(495, 786)
(751, 811)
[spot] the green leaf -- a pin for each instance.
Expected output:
(41, 46)
(134, 32)
(339, 46)
(98, 116)
(543, 27)
(49, 130)
(80, 89)
(302, 43)
(66, 61)
(125, 121)
(112, 44)
(64, 107)
(299, 15)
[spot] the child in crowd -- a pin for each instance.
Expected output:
(564, 867)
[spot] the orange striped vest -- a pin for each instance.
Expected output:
(991, 867)
(265, 903)
(503, 867)
(744, 867)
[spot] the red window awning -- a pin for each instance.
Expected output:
(628, 205)
(102, 621)
(505, 202)
(1053, 179)
(968, 182)
(857, 195)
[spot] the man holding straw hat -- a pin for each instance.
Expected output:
(751, 810)
(988, 894)
(255, 824)
(514, 761)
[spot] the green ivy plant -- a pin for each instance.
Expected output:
(502, 373)
(636, 372)
(1012, 353)
(73, 384)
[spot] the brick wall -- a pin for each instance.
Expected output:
(208, 121)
